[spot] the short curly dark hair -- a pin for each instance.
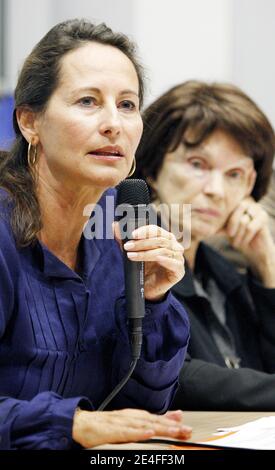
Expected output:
(203, 108)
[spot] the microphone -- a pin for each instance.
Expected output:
(132, 200)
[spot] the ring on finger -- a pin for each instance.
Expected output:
(248, 214)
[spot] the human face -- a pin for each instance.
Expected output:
(91, 127)
(213, 177)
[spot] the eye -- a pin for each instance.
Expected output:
(128, 105)
(235, 174)
(87, 101)
(197, 163)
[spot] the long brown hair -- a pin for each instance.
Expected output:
(37, 81)
(201, 108)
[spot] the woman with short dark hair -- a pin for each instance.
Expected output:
(210, 147)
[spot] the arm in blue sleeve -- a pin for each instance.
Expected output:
(45, 422)
(165, 339)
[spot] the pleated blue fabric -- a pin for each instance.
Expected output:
(64, 341)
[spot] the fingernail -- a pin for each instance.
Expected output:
(129, 245)
(132, 255)
(186, 429)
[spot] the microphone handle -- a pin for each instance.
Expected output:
(135, 302)
(134, 270)
(134, 290)
(134, 287)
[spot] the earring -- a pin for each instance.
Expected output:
(32, 154)
(133, 168)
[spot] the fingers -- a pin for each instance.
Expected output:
(95, 428)
(242, 229)
(149, 250)
(149, 237)
(245, 223)
(176, 415)
(163, 257)
(171, 423)
(235, 219)
(149, 231)
(146, 231)
(174, 266)
(252, 229)
(152, 241)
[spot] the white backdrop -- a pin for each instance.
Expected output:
(229, 40)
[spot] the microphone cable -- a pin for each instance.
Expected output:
(119, 386)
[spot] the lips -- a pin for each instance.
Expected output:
(110, 151)
(207, 211)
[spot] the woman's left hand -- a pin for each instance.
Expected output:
(163, 256)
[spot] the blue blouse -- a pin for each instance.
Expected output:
(64, 341)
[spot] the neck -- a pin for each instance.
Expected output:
(63, 220)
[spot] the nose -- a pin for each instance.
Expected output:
(110, 125)
(215, 184)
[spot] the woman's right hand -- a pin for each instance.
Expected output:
(93, 428)
(248, 231)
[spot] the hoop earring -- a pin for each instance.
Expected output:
(32, 155)
(133, 168)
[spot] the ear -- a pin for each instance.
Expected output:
(251, 182)
(26, 119)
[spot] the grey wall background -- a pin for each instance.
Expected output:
(228, 40)
(253, 39)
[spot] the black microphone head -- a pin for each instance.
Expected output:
(133, 192)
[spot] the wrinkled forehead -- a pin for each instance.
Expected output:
(220, 153)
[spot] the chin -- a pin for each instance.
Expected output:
(109, 180)
(203, 231)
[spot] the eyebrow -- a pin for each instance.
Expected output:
(235, 166)
(97, 90)
(199, 148)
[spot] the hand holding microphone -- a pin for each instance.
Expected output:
(153, 262)
(158, 248)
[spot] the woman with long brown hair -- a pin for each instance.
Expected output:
(63, 326)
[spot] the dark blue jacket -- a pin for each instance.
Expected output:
(64, 342)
